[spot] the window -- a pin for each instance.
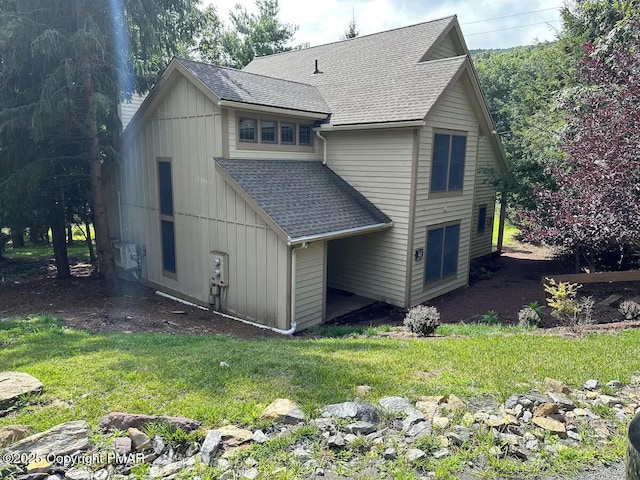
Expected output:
(482, 219)
(305, 135)
(288, 133)
(442, 253)
(167, 226)
(248, 130)
(447, 173)
(268, 131)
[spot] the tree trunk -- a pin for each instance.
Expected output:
(69, 234)
(17, 236)
(92, 253)
(633, 450)
(106, 261)
(59, 239)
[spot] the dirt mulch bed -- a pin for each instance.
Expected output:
(503, 285)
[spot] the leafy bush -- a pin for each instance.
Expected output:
(490, 318)
(565, 306)
(422, 320)
(528, 317)
(630, 310)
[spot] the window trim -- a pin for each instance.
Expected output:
(447, 192)
(428, 284)
(167, 218)
(255, 129)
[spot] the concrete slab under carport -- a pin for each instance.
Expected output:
(340, 303)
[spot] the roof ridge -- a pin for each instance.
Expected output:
(355, 39)
(244, 72)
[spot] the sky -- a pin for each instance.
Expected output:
(485, 23)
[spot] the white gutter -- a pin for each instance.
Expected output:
(325, 127)
(339, 233)
(324, 143)
(291, 331)
(266, 109)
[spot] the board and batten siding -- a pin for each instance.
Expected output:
(485, 195)
(454, 114)
(310, 285)
(378, 164)
(209, 216)
(270, 151)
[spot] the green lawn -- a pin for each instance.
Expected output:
(86, 374)
(510, 231)
(38, 252)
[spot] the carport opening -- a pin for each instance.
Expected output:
(341, 303)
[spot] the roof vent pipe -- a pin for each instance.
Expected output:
(316, 71)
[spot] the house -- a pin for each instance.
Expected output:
(355, 167)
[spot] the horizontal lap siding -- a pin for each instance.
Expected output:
(485, 195)
(445, 49)
(208, 214)
(378, 165)
(310, 285)
(453, 112)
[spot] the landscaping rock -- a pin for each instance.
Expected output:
(606, 400)
(456, 405)
(123, 445)
(419, 429)
(210, 447)
(563, 402)
(440, 422)
(363, 389)
(283, 410)
(259, 436)
(556, 386)
(415, 454)
(39, 466)
(614, 384)
(77, 474)
(395, 405)
(545, 409)
(63, 439)
(139, 440)
(13, 433)
(336, 441)
(15, 384)
(250, 474)
(550, 425)
(360, 428)
(442, 453)
(124, 421)
(459, 436)
(357, 410)
(234, 436)
(390, 454)
(591, 385)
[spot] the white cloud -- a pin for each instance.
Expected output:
(326, 21)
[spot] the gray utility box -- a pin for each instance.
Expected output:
(220, 269)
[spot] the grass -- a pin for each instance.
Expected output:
(510, 231)
(86, 374)
(40, 252)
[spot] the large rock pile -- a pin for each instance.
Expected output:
(525, 427)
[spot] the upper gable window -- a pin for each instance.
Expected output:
(268, 131)
(288, 133)
(305, 135)
(447, 172)
(248, 130)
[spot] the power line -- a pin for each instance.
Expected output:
(513, 28)
(512, 15)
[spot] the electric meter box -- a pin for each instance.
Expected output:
(220, 268)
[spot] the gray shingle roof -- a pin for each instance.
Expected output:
(375, 78)
(239, 86)
(304, 198)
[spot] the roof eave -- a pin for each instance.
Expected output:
(271, 109)
(327, 127)
(350, 232)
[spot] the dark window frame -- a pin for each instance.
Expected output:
(310, 128)
(166, 216)
(446, 255)
(275, 132)
(255, 129)
(294, 131)
(447, 174)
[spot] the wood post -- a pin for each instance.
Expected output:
(633, 450)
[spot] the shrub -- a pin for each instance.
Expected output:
(564, 304)
(490, 318)
(630, 310)
(528, 317)
(422, 320)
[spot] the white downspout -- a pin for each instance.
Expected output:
(121, 224)
(304, 246)
(324, 141)
(291, 331)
